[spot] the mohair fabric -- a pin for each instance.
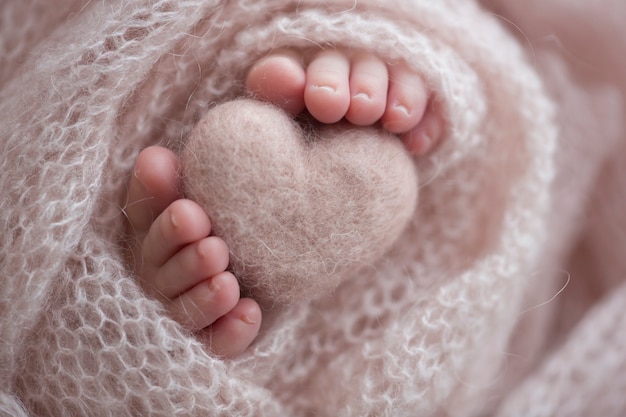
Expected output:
(493, 286)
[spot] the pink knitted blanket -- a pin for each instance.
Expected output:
(483, 280)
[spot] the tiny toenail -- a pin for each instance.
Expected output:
(173, 220)
(326, 88)
(402, 109)
(363, 95)
(201, 250)
(246, 319)
(214, 286)
(137, 176)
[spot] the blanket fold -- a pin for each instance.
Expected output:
(427, 327)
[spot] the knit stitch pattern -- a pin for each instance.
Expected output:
(423, 324)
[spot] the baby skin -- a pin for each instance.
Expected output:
(173, 252)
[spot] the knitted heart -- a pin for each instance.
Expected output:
(299, 212)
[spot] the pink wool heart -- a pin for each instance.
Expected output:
(299, 212)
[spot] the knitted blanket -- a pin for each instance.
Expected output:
(494, 286)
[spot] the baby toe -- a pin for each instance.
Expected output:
(153, 186)
(192, 264)
(205, 303)
(368, 90)
(235, 331)
(279, 79)
(427, 134)
(327, 91)
(182, 223)
(406, 100)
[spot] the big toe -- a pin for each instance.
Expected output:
(153, 187)
(279, 79)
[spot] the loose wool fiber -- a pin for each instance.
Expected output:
(385, 306)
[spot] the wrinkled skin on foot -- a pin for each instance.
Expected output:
(300, 212)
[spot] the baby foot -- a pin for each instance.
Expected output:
(360, 87)
(178, 261)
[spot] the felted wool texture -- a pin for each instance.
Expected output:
(299, 212)
(453, 320)
(119, 86)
